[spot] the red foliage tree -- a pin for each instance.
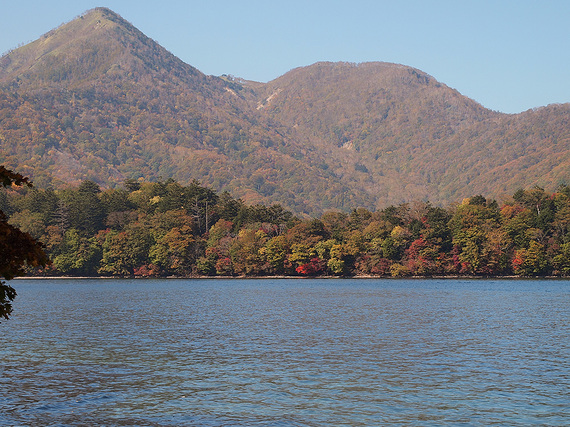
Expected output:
(17, 249)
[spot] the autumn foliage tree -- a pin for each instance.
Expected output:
(17, 248)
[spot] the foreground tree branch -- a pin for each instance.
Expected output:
(17, 249)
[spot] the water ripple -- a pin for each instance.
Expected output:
(287, 353)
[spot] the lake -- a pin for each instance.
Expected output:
(286, 352)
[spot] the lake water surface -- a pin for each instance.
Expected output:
(286, 352)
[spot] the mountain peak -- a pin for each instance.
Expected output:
(103, 12)
(101, 18)
(97, 43)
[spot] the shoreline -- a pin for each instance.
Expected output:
(367, 277)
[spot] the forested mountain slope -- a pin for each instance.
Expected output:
(401, 135)
(97, 99)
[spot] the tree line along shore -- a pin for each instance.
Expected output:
(166, 229)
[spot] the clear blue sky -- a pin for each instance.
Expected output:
(508, 55)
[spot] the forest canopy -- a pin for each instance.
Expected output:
(162, 229)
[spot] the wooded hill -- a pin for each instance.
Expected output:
(96, 99)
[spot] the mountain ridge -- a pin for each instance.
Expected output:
(97, 99)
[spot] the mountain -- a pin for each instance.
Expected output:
(97, 99)
(378, 121)
(401, 135)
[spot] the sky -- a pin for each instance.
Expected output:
(508, 55)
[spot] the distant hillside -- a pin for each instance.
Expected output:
(97, 99)
(377, 121)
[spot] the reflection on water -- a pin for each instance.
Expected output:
(286, 353)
